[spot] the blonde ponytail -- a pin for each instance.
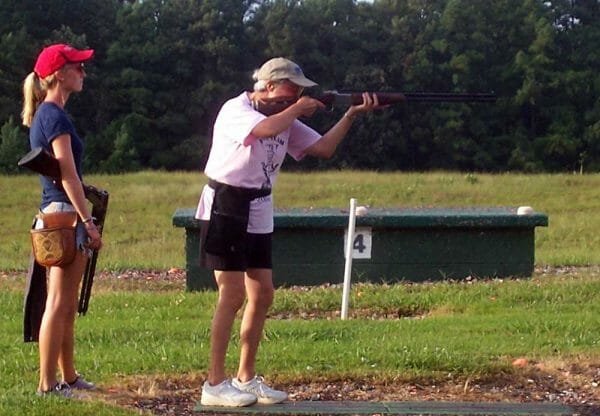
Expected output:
(34, 92)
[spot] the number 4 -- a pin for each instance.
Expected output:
(359, 243)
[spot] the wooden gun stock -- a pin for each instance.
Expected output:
(41, 161)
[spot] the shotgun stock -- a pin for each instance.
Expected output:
(41, 161)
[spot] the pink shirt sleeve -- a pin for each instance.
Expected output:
(237, 119)
(301, 137)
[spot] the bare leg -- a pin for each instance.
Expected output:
(66, 358)
(231, 298)
(259, 289)
(58, 322)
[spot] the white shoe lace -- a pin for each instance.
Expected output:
(260, 388)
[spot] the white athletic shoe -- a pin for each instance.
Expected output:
(224, 394)
(257, 386)
(81, 383)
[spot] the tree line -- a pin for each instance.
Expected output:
(163, 68)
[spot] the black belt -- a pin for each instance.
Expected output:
(249, 193)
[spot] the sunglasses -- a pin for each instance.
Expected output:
(79, 67)
(291, 87)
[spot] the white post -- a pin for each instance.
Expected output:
(348, 266)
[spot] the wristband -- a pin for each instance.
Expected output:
(89, 219)
(351, 117)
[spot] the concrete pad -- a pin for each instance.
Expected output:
(395, 408)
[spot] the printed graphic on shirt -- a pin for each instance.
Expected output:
(270, 145)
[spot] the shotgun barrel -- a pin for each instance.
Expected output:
(99, 200)
(333, 99)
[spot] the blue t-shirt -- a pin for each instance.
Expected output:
(49, 122)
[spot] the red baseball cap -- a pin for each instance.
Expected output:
(54, 57)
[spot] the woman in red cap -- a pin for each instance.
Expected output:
(58, 72)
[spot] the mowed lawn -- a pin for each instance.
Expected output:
(397, 334)
(139, 234)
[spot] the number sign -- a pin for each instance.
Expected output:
(361, 247)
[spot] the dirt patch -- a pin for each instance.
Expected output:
(175, 279)
(573, 385)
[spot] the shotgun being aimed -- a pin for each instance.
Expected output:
(333, 99)
(44, 163)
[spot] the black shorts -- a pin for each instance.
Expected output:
(257, 253)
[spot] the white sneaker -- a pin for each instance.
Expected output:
(81, 383)
(224, 394)
(257, 386)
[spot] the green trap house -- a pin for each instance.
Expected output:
(390, 245)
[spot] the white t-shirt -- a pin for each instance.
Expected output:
(239, 159)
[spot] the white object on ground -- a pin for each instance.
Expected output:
(361, 210)
(525, 210)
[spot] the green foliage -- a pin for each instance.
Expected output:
(15, 46)
(163, 68)
(125, 156)
(13, 145)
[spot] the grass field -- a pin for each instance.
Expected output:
(139, 234)
(399, 333)
(428, 332)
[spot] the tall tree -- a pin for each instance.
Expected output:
(166, 73)
(163, 67)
